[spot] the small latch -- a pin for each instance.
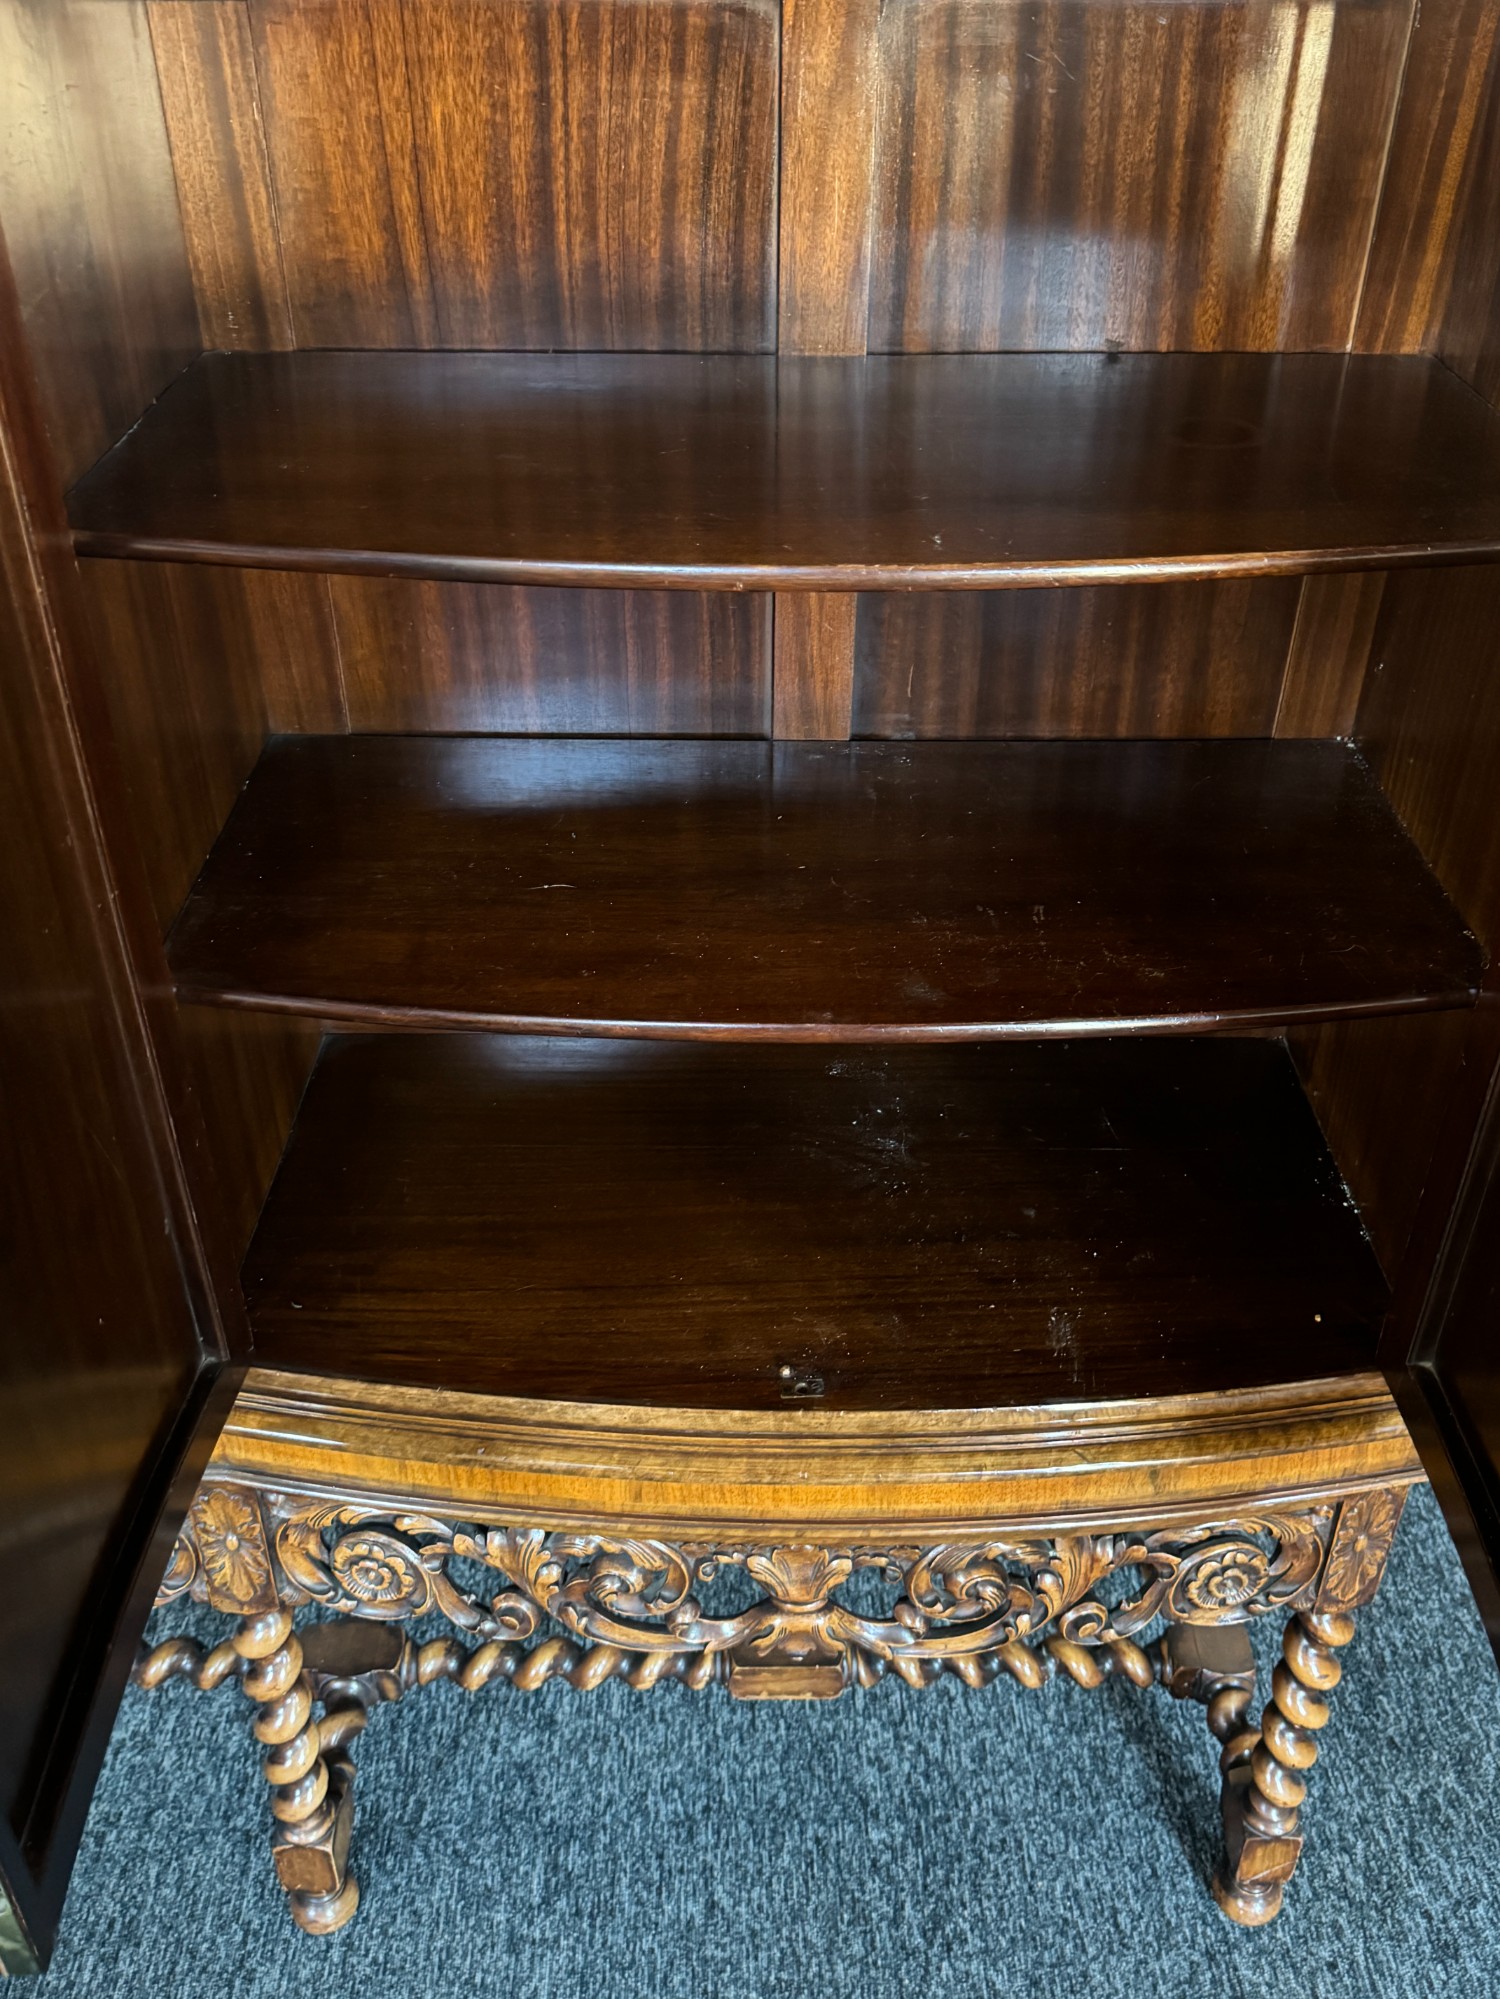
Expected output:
(800, 1384)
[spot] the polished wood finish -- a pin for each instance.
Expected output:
(1071, 175)
(205, 68)
(89, 216)
(1434, 166)
(831, 892)
(1433, 738)
(456, 657)
(921, 181)
(830, 119)
(726, 472)
(1330, 651)
(811, 1470)
(814, 665)
(726, 1229)
(476, 173)
(1429, 723)
(105, 1365)
(1159, 659)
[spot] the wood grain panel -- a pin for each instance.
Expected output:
(1174, 659)
(205, 62)
(830, 84)
(332, 174)
(1325, 669)
(195, 657)
(455, 657)
(1433, 167)
(814, 665)
(598, 173)
(1076, 175)
(1469, 338)
(1430, 725)
(289, 624)
(1381, 1089)
(89, 214)
(523, 173)
(185, 702)
(249, 1071)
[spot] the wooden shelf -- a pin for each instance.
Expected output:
(749, 472)
(850, 891)
(921, 1228)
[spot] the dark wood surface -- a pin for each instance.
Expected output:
(726, 471)
(90, 218)
(460, 173)
(454, 657)
(1072, 173)
(1148, 659)
(104, 1359)
(817, 891)
(923, 1228)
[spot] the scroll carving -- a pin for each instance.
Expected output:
(953, 1601)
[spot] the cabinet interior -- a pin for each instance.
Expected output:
(472, 412)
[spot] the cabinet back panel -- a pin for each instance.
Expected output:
(1082, 172)
(458, 657)
(1175, 659)
(942, 174)
(477, 173)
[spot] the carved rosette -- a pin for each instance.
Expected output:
(1362, 1538)
(954, 1600)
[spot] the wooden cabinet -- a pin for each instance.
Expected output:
(749, 772)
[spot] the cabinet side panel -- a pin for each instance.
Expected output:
(1429, 723)
(202, 662)
(109, 1337)
(1434, 163)
(89, 211)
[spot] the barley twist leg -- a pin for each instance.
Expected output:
(309, 1771)
(1264, 1785)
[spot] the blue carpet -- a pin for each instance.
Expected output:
(891, 1845)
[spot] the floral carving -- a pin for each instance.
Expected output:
(231, 1546)
(1227, 1578)
(1366, 1527)
(643, 1599)
(379, 1571)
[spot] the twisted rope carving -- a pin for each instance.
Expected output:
(185, 1659)
(584, 1667)
(1263, 1767)
(302, 1757)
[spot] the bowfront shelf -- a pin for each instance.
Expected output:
(905, 1228)
(749, 472)
(799, 892)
